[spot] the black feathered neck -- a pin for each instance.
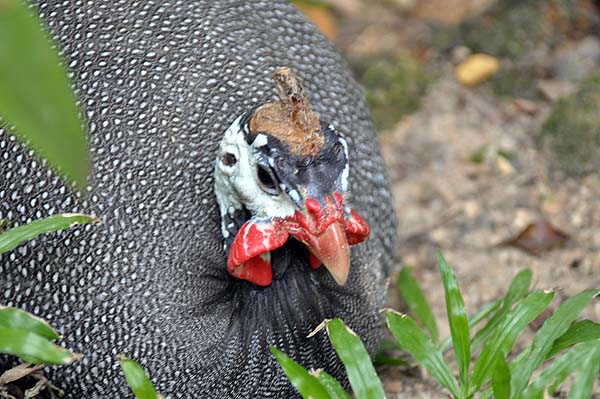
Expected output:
(299, 297)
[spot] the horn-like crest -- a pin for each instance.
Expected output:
(290, 119)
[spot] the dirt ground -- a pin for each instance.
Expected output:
(470, 166)
(445, 202)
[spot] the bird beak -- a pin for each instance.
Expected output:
(326, 230)
(331, 249)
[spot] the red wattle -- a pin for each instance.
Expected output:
(357, 230)
(314, 262)
(255, 270)
(253, 239)
(259, 237)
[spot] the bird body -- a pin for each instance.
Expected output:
(160, 84)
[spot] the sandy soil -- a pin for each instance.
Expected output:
(445, 201)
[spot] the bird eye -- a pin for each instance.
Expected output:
(266, 180)
(228, 159)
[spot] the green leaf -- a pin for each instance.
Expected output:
(10, 239)
(137, 379)
(35, 94)
(501, 379)
(422, 349)
(558, 370)
(555, 326)
(387, 344)
(580, 331)
(457, 318)
(485, 311)
(413, 296)
(584, 382)
(333, 387)
(362, 376)
(14, 318)
(503, 337)
(382, 359)
(517, 290)
(308, 385)
(519, 286)
(32, 347)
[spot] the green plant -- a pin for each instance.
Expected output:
(36, 97)
(35, 94)
(22, 334)
(137, 379)
(509, 375)
(10, 239)
(498, 371)
(30, 338)
(318, 384)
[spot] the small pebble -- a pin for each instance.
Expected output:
(476, 69)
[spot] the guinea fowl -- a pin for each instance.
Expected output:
(200, 265)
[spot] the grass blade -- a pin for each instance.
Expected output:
(308, 385)
(422, 349)
(580, 331)
(33, 348)
(501, 379)
(387, 344)
(382, 359)
(333, 387)
(137, 379)
(519, 286)
(484, 312)
(584, 382)
(14, 318)
(503, 337)
(555, 326)
(36, 95)
(363, 379)
(559, 370)
(413, 296)
(457, 318)
(517, 290)
(12, 238)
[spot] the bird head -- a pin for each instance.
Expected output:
(281, 174)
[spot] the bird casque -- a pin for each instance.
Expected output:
(221, 195)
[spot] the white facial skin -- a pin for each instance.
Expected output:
(237, 185)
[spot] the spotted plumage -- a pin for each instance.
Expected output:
(159, 84)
